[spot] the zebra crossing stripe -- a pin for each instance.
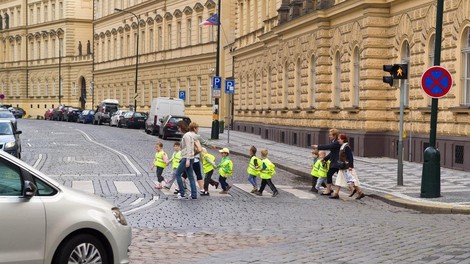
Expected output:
(86, 186)
(126, 187)
(297, 193)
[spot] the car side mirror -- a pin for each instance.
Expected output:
(29, 189)
(19, 132)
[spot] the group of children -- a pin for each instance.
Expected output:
(257, 167)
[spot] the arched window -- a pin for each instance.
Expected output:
(432, 44)
(270, 87)
(298, 83)
(405, 59)
(255, 90)
(7, 21)
(356, 77)
(466, 68)
(313, 77)
(285, 87)
(337, 80)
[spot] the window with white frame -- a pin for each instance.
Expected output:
(199, 31)
(199, 89)
(405, 59)
(337, 80)
(178, 34)
(466, 68)
(356, 77)
(189, 32)
(188, 91)
(313, 78)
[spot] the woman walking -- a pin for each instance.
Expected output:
(333, 147)
(186, 164)
(346, 175)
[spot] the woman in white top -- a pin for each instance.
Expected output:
(186, 164)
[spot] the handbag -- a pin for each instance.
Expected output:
(197, 147)
(343, 165)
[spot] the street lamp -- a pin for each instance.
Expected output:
(136, 54)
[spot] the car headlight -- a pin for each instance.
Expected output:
(10, 145)
(119, 216)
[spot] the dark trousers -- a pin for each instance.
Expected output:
(314, 181)
(329, 175)
(208, 180)
(223, 183)
(197, 170)
(268, 182)
(159, 174)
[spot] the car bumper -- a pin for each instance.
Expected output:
(122, 240)
(13, 152)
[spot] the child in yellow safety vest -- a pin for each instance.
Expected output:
(175, 162)
(253, 169)
(314, 177)
(161, 159)
(267, 172)
(208, 166)
(320, 169)
(225, 170)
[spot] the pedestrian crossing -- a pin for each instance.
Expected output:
(130, 187)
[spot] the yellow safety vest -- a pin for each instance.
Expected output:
(252, 170)
(269, 171)
(320, 168)
(159, 162)
(207, 166)
(175, 159)
(225, 167)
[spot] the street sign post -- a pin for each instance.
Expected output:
(436, 81)
(216, 82)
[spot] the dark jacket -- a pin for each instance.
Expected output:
(333, 156)
(346, 155)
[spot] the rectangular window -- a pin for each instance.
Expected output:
(31, 16)
(121, 47)
(53, 48)
(46, 13)
(178, 34)
(109, 51)
(169, 39)
(199, 89)
(61, 10)
(160, 38)
(115, 48)
(12, 52)
(74, 88)
(128, 45)
(211, 30)
(38, 15)
(46, 49)
(18, 18)
(39, 50)
(52, 12)
(188, 37)
(169, 88)
(188, 93)
(143, 41)
(199, 30)
(151, 44)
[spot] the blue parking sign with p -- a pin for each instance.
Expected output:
(217, 82)
(229, 86)
(182, 95)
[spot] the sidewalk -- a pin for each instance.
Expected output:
(378, 176)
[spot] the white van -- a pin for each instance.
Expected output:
(161, 107)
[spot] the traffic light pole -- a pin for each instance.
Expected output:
(400, 138)
(431, 176)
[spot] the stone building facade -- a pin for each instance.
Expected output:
(38, 40)
(176, 53)
(306, 66)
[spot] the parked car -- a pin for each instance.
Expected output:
(168, 128)
(50, 223)
(86, 116)
(104, 111)
(116, 118)
(72, 114)
(133, 120)
(9, 138)
(59, 112)
(6, 114)
(49, 114)
(161, 107)
(18, 112)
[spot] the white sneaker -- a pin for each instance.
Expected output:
(179, 196)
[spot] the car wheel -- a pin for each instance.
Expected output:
(146, 130)
(82, 248)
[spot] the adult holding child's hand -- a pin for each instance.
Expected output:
(333, 156)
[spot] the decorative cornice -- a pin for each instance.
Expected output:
(178, 13)
(187, 10)
(210, 4)
(168, 16)
(198, 7)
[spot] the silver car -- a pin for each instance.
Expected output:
(44, 222)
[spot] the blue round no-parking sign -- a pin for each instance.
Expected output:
(436, 81)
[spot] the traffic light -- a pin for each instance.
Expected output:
(397, 71)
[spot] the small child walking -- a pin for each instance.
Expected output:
(208, 166)
(161, 159)
(253, 169)
(320, 169)
(225, 170)
(267, 172)
(314, 171)
(175, 162)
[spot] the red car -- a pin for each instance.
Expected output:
(49, 114)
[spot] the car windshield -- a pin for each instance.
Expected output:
(85, 112)
(5, 114)
(175, 120)
(111, 108)
(138, 114)
(5, 129)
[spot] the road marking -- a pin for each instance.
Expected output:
(298, 193)
(155, 198)
(29, 144)
(38, 161)
(126, 187)
(137, 201)
(113, 150)
(248, 187)
(86, 186)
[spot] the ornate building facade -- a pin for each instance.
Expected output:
(306, 66)
(44, 58)
(176, 53)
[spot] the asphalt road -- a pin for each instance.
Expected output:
(295, 227)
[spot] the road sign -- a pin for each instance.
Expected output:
(182, 95)
(216, 93)
(229, 86)
(2, 96)
(217, 82)
(436, 81)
